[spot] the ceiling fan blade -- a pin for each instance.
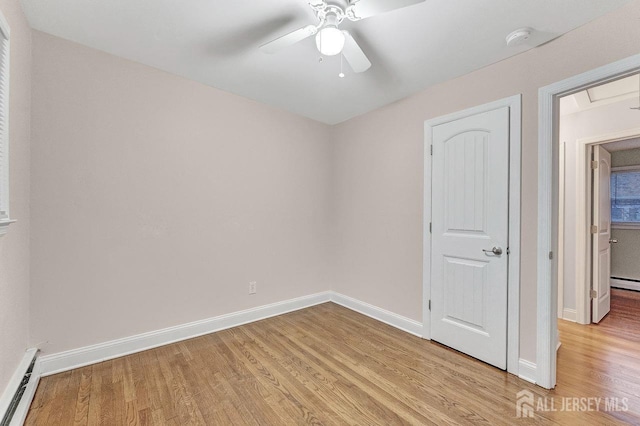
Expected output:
(366, 8)
(289, 39)
(354, 54)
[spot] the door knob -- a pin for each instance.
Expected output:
(496, 250)
(613, 241)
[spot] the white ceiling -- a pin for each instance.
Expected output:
(216, 42)
(604, 94)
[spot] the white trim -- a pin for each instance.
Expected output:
(75, 358)
(527, 370)
(547, 138)
(582, 222)
(15, 381)
(621, 135)
(561, 224)
(626, 168)
(382, 315)
(569, 314)
(515, 169)
(426, 231)
(515, 164)
(625, 285)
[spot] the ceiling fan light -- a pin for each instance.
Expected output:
(330, 40)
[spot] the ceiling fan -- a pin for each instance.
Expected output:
(330, 40)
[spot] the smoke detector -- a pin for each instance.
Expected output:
(519, 36)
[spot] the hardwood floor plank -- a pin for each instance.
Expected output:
(253, 395)
(288, 373)
(306, 369)
(416, 398)
(81, 409)
(282, 391)
(181, 400)
(330, 365)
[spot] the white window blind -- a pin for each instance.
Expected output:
(4, 123)
(4, 44)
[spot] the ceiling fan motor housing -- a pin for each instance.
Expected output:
(331, 15)
(339, 8)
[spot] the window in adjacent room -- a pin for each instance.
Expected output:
(625, 197)
(4, 125)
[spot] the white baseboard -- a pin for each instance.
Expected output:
(382, 315)
(14, 384)
(64, 361)
(625, 285)
(569, 314)
(527, 370)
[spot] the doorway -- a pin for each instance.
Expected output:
(593, 123)
(548, 205)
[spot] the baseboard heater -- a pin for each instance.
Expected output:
(18, 384)
(625, 283)
(626, 279)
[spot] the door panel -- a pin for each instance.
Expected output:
(601, 276)
(465, 292)
(470, 215)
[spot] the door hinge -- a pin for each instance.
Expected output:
(430, 227)
(431, 146)
(594, 229)
(594, 294)
(550, 255)
(429, 304)
(594, 164)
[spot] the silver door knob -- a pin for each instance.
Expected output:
(496, 250)
(613, 241)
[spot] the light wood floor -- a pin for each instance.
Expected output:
(329, 365)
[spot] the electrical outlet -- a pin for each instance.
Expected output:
(253, 287)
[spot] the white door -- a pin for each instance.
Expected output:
(601, 275)
(470, 235)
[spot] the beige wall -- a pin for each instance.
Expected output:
(379, 164)
(14, 246)
(156, 199)
(624, 254)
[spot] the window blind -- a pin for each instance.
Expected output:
(4, 125)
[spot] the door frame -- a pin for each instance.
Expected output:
(562, 170)
(513, 286)
(548, 143)
(584, 217)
